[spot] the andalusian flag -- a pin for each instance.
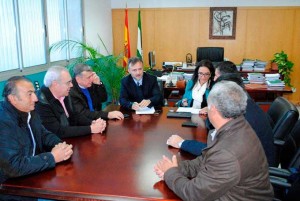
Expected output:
(126, 41)
(139, 50)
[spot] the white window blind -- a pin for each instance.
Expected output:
(8, 37)
(24, 41)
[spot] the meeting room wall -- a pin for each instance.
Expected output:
(261, 31)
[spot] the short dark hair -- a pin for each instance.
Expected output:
(227, 67)
(133, 60)
(234, 77)
(79, 68)
(10, 86)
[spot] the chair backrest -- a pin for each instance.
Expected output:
(283, 116)
(290, 147)
(214, 54)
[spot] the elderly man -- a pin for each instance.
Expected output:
(139, 89)
(56, 109)
(88, 93)
(233, 166)
(26, 146)
(254, 115)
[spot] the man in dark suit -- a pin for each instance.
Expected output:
(139, 89)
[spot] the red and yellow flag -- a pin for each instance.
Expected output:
(126, 41)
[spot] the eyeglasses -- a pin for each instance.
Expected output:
(204, 74)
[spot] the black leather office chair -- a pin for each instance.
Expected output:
(290, 147)
(283, 116)
(286, 182)
(214, 54)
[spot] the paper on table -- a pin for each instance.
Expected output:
(188, 109)
(145, 110)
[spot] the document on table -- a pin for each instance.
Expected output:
(188, 109)
(145, 110)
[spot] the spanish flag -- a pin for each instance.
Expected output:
(126, 41)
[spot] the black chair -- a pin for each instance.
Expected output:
(286, 182)
(283, 116)
(214, 54)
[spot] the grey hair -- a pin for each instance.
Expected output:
(79, 68)
(229, 99)
(53, 74)
(133, 60)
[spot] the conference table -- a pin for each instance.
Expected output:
(115, 165)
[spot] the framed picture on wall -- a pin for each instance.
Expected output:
(222, 23)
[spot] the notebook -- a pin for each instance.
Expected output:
(179, 115)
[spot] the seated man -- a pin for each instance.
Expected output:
(254, 115)
(26, 146)
(56, 109)
(233, 166)
(88, 93)
(139, 89)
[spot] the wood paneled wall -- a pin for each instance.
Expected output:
(172, 33)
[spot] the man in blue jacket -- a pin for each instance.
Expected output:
(139, 89)
(26, 147)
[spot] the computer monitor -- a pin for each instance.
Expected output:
(152, 61)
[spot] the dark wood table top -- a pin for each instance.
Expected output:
(115, 165)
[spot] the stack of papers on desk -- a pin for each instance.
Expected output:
(188, 109)
(145, 110)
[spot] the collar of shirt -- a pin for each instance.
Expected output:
(138, 81)
(213, 134)
(81, 87)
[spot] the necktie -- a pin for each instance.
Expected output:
(139, 92)
(61, 100)
(32, 137)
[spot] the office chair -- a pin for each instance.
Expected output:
(161, 87)
(214, 54)
(286, 182)
(283, 116)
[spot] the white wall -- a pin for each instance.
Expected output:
(200, 3)
(98, 21)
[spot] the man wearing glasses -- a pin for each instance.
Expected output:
(56, 109)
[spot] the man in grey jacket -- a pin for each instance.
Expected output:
(233, 166)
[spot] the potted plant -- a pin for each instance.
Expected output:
(107, 67)
(285, 67)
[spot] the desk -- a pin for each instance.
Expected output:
(260, 93)
(117, 165)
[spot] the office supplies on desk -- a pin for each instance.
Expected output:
(145, 110)
(189, 124)
(189, 109)
(179, 114)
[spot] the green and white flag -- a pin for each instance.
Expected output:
(139, 50)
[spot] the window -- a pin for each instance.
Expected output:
(29, 27)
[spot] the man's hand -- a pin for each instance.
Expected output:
(62, 152)
(98, 126)
(203, 111)
(115, 115)
(135, 106)
(174, 141)
(96, 79)
(165, 164)
(144, 103)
